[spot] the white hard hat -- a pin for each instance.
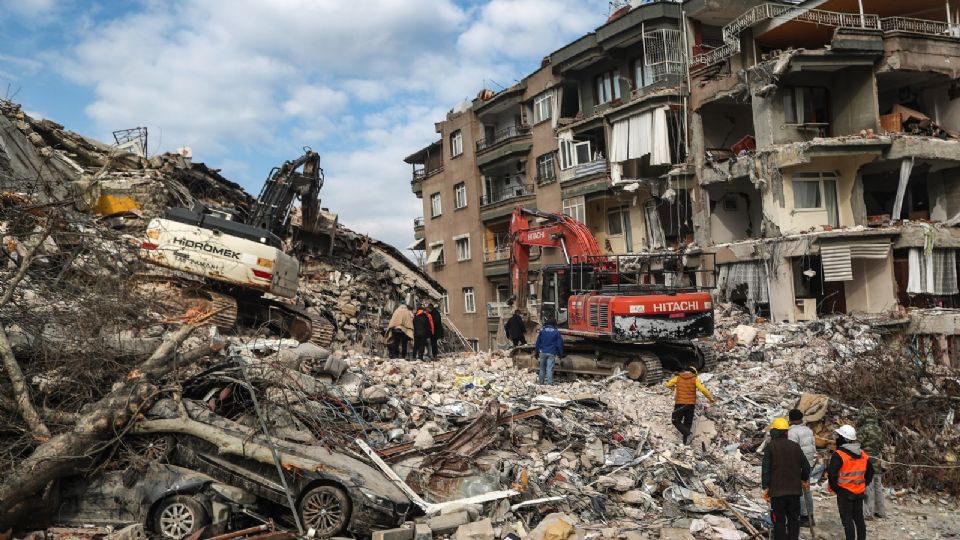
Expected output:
(847, 432)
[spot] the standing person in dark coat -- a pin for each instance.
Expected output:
(784, 475)
(422, 330)
(437, 329)
(515, 329)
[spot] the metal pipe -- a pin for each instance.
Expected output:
(863, 23)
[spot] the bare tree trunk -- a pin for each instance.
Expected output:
(21, 390)
(63, 453)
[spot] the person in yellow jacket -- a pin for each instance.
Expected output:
(686, 385)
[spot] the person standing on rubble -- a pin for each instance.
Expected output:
(515, 329)
(437, 334)
(401, 331)
(549, 347)
(803, 435)
(848, 473)
(871, 441)
(784, 476)
(422, 330)
(687, 385)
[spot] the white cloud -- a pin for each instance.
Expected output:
(362, 82)
(30, 9)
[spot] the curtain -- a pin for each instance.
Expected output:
(830, 202)
(747, 277)
(660, 151)
(806, 193)
(619, 150)
(640, 126)
(555, 107)
(932, 273)
(651, 215)
(906, 167)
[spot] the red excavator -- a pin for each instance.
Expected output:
(635, 312)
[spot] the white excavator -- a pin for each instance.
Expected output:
(245, 266)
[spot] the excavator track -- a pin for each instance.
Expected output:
(322, 332)
(177, 296)
(710, 359)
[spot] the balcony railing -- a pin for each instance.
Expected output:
(499, 310)
(503, 135)
(420, 174)
(501, 195)
(583, 169)
(418, 223)
(495, 255)
(914, 26)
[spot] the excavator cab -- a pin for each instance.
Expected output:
(559, 282)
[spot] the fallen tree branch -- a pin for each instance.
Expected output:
(21, 390)
(64, 453)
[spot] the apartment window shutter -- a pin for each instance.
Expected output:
(836, 263)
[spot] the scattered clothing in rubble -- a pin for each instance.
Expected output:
(784, 473)
(549, 347)
(401, 331)
(849, 473)
(686, 385)
(871, 441)
(422, 332)
(803, 436)
(515, 330)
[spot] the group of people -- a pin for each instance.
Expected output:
(424, 327)
(790, 464)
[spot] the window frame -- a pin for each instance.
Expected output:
(445, 303)
(538, 104)
(607, 86)
(795, 114)
(436, 205)
(462, 240)
(458, 190)
(469, 299)
(541, 167)
(618, 212)
(579, 204)
(456, 143)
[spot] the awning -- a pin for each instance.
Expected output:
(436, 251)
(419, 243)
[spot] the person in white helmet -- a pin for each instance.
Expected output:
(849, 473)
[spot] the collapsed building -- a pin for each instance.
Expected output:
(811, 149)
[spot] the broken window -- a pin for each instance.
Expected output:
(817, 191)
(445, 304)
(570, 99)
(618, 224)
(435, 208)
(543, 107)
(807, 106)
(469, 300)
(456, 143)
(460, 195)
(462, 244)
(607, 86)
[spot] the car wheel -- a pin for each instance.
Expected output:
(179, 516)
(325, 509)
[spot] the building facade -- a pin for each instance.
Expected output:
(811, 148)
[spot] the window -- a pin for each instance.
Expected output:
(615, 222)
(462, 244)
(445, 304)
(618, 224)
(543, 107)
(804, 105)
(729, 203)
(435, 208)
(573, 153)
(575, 207)
(546, 171)
(460, 196)
(469, 300)
(642, 74)
(436, 254)
(474, 344)
(608, 87)
(456, 143)
(817, 191)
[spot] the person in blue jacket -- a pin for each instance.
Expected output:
(549, 348)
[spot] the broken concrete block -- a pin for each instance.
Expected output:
(448, 523)
(424, 439)
(422, 532)
(403, 533)
(478, 530)
(131, 532)
(671, 533)
(555, 526)
(745, 335)
(374, 394)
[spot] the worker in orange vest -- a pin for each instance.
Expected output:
(849, 472)
(685, 399)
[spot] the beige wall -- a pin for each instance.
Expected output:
(872, 289)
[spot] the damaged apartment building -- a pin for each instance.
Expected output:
(809, 148)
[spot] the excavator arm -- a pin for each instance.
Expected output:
(285, 183)
(551, 230)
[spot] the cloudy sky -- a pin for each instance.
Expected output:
(248, 83)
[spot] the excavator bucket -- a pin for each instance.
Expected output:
(319, 236)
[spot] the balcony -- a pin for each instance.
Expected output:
(496, 255)
(502, 136)
(418, 228)
(514, 192)
(500, 310)
(422, 173)
(584, 170)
